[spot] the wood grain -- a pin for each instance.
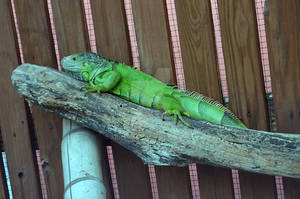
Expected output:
(166, 177)
(152, 34)
(282, 27)
(215, 182)
(154, 47)
(112, 39)
(198, 49)
(254, 185)
(21, 159)
(70, 26)
(38, 48)
(137, 179)
(245, 80)
(72, 37)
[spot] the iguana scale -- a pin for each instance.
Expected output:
(105, 75)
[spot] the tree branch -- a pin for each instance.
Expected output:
(158, 142)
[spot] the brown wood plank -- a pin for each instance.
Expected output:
(137, 179)
(16, 136)
(38, 48)
(113, 41)
(173, 182)
(196, 32)
(152, 32)
(197, 42)
(291, 188)
(70, 25)
(72, 37)
(254, 185)
(132, 175)
(282, 27)
(111, 32)
(245, 81)
(215, 182)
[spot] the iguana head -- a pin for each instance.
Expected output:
(85, 66)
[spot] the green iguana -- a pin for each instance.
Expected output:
(105, 75)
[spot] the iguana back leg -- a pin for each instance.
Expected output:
(171, 106)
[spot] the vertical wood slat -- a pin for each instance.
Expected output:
(152, 33)
(150, 18)
(112, 37)
(214, 182)
(245, 81)
(173, 182)
(72, 37)
(16, 136)
(70, 26)
(112, 41)
(196, 33)
(132, 175)
(3, 183)
(282, 28)
(38, 48)
(197, 41)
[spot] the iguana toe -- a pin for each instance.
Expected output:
(177, 115)
(186, 114)
(182, 120)
(175, 118)
(87, 88)
(90, 89)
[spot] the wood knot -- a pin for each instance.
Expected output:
(291, 116)
(20, 174)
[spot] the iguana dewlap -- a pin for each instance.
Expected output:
(105, 75)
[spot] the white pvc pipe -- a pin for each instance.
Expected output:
(81, 160)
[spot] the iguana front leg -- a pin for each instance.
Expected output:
(104, 82)
(171, 106)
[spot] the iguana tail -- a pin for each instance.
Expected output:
(202, 107)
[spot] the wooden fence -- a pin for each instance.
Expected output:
(23, 132)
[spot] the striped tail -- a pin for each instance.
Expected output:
(202, 107)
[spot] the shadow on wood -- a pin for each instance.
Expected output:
(158, 142)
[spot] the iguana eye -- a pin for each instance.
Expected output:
(74, 58)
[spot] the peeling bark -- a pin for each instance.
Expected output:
(158, 142)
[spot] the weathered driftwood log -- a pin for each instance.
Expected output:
(158, 142)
